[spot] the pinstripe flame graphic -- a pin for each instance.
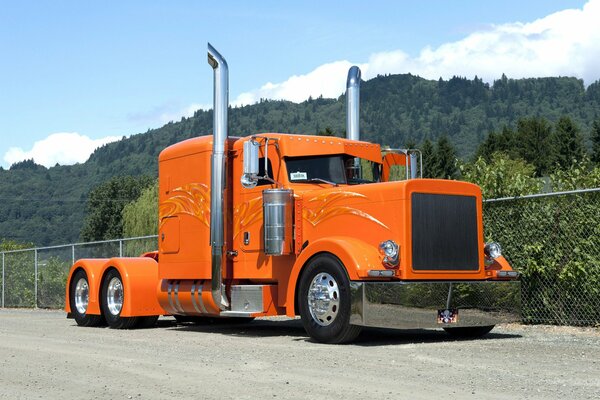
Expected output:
(321, 208)
(247, 214)
(192, 199)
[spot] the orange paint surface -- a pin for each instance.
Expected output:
(349, 221)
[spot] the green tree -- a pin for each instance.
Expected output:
(595, 136)
(569, 142)
(581, 174)
(429, 160)
(327, 132)
(445, 156)
(505, 142)
(536, 143)
(502, 176)
(105, 206)
(140, 217)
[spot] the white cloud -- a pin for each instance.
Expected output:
(64, 148)
(167, 116)
(563, 43)
(165, 113)
(327, 80)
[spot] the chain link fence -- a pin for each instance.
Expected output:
(37, 277)
(552, 239)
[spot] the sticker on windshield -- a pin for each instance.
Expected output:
(297, 176)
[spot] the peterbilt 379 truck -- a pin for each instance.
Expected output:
(286, 224)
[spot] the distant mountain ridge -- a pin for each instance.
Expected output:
(47, 206)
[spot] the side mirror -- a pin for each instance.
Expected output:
(250, 175)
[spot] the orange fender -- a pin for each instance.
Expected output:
(357, 257)
(140, 278)
(93, 269)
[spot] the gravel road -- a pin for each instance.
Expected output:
(44, 355)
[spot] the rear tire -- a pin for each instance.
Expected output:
(469, 332)
(79, 295)
(113, 296)
(324, 301)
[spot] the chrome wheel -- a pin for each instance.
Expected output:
(114, 296)
(82, 295)
(323, 299)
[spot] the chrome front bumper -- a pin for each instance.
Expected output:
(415, 305)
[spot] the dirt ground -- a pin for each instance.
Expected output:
(44, 355)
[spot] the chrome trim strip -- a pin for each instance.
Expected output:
(169, 293)
(176, 296)
(193, 294)
(199, 298)
(414, 305)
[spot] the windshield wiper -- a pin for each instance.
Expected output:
(322, 181)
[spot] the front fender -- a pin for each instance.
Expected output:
(357, 256)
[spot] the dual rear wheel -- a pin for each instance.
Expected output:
(112, 296)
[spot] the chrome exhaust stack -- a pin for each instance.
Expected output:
(217, 234)
(353, 103)
(353, 112)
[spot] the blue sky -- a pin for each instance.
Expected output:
(76, 74)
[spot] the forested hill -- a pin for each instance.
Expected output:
(47, 206)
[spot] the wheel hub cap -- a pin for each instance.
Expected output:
(323, 299)
(114, 296)
(82, 295)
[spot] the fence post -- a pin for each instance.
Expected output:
(35, 295)
(3, 278)
(73, 254)
(120, 247)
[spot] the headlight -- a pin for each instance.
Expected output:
(391, 253)
(492, 250)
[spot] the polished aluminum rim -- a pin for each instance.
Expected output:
(323, 299)
(114, 296)
(82, 295)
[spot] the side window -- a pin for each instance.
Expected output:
(261, 172)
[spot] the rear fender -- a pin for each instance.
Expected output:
(140, 279)
(357, 257)
(93, 268)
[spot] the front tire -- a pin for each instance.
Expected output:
(79, 296)
(324, 301)
(113, 296)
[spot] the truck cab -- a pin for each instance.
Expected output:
(287, 224)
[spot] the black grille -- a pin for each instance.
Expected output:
(444, 232)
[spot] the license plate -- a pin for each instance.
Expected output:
(447, 316)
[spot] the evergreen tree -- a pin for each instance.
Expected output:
(504, 142)
(536, 143)
(595, 136)
(569, 142)
(445, 155)
(327, 132)
(429, 160)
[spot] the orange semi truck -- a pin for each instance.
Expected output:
(286, 224)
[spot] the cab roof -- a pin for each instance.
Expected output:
(290, 145)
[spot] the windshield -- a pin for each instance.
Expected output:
(338, 169)
(305, 169)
